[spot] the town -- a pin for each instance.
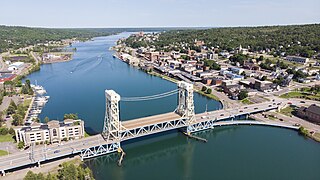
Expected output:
(235, 77)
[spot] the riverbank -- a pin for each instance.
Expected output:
(310, 132)
(153, 73)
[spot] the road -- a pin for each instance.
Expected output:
(3, 65)
(35, 57)
(42, 153)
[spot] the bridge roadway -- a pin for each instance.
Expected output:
(50, 152)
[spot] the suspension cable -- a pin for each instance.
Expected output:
(145, 98)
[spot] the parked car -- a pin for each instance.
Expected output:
(56, 151)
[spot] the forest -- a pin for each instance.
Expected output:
(300, 40)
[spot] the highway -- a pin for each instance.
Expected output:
(44, 153)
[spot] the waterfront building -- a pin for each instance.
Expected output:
(52, 132)
(6, 77)
(312, 113)
(15, 66)
(301, 60)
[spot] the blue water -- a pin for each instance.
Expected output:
(78, 86)
(240, 152)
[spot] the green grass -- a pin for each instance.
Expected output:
(26, 102)
(6, 138)
(246, 101)
(86, 134)
(163, 76)
(3, 153)
(208, 95)
(287, 111)
(301, 94)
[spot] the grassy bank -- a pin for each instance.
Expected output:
(3, 153)
(288, 111)
(208, 95)
(6, 138)
(303, 131)
(246, 101)
(163, 76)
(302, 95)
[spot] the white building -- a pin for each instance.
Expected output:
(301, 60)
(52, 132)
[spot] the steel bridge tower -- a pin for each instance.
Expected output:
(185, 102)
(111, 128)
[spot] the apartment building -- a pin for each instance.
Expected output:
(52, 132)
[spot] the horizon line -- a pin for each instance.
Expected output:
(141, 27)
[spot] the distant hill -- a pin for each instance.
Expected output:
(301, 40)
(14, 37)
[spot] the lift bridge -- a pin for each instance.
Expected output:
(182, 118)
(116, 131)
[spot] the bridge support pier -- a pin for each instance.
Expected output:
(185, 103)
(3, 173)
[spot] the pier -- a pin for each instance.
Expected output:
(116, 131)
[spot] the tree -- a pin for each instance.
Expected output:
(46, 119)
(30, 176)
(204, 88)
(24, 90)
(67, 172)
(20, 145)
(243, 94)
(17, 120)
(209, 91)
(71, 116)
(264, 78)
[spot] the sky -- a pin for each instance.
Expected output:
(157, 13)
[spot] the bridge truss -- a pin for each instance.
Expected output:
(114, 132)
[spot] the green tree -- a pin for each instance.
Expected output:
(204, 88)
(68, 172)
(71, 116)
(17, 120)
(46, 119)
(243, 94)
(30, 175)
(209, 91)
(20, 145)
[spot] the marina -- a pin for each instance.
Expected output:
(37, 104)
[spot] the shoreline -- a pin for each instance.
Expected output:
(165, 77)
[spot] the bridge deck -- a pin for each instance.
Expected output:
(141, 122)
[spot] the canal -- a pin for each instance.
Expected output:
(246, 152)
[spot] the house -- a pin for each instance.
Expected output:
(207, 81)
(52, 132)
(216, 81)
(6, 77)
(265, 86)
(312, 113)
(235, 70)
(152, 56)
